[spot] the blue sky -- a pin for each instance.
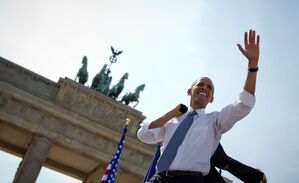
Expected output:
(168, 44)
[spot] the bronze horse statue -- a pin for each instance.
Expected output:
(117, 89)
(82, 73)
(98, 79)
(133, 97)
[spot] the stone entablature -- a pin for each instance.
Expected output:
(27, 80)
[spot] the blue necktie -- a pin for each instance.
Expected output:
(174, 143)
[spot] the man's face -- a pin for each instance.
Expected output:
(201, 92)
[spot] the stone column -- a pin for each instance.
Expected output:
(33, 161)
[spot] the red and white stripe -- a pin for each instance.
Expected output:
(104, 178)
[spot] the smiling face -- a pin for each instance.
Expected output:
(201, 92)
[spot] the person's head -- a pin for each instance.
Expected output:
(201, 93)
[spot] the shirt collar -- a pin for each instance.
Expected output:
(198, 111)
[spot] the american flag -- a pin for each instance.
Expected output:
(152, 167)
(110, 172)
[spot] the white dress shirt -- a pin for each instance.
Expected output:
(203, 136)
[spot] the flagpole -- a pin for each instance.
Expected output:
(110, 172)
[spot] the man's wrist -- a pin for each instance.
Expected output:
(253, 69)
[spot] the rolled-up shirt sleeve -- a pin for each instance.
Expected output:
(150, 136)
(234, 112)
(247, 98)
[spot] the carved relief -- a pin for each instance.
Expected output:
(96, 107)
(67, 98)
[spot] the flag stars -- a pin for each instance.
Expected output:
(110, 173)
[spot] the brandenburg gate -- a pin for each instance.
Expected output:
(67, 127)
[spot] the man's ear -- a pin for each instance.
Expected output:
(189, 91)
(212, 99)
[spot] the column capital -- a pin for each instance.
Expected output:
(43, 139)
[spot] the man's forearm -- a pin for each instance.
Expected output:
(244, 172)
(177, 111)
(162, 120)
(250, 82)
